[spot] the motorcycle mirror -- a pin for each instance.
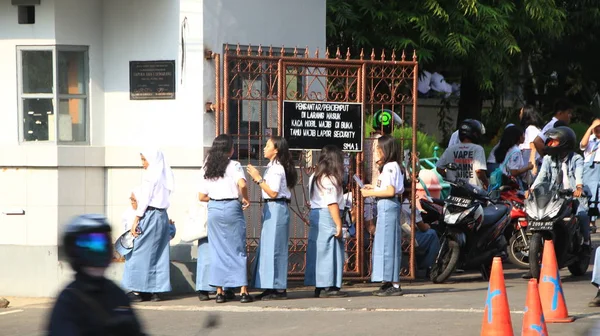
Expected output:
(452, 166)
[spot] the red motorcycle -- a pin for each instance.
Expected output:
(516, 234)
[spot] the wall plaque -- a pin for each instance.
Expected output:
(151, 80)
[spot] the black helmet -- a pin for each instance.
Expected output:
(87, 241)
(563, 139)
(471, 129)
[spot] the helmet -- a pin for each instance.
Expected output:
(471, 129)
(560, 141)
(87, 241)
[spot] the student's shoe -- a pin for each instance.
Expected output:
(382, 289)
(229, 295)
(391, 291)
(154, 297)
(203, 296)
(134, 297)
(220, 298)
(265, 293)
(595, 301)
(333, 293)
(245, 298)
(275, 295)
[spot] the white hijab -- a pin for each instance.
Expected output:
(158, 170)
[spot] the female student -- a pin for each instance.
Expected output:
(510, 156)
(387, 247)
(147, 266)
(271, 264)
(325, 252)
(221, 185)
(590, 145)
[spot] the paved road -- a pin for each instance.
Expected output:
(452, 309)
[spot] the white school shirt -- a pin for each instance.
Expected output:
(592, 149)
(391, 175)
(275, 179)
(223, 187)
(513, 159)
(153, 194)
(325, 194)
(548, 126)
(530, 134)
(454, 139)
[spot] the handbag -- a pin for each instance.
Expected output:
(195, 225)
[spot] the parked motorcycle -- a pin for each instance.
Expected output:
(474, 231)
(551, 215)
(517, 235)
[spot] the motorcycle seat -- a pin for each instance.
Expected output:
(493, 213)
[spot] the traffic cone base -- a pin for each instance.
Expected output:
(496, 315)
(552, 296)
(534, 323)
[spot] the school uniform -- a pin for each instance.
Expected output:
(226, 228)
(271, 264)
(387, 245)
(325, 253)
(147, 266)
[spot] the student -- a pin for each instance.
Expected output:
(510, 156)
(562, 112)
(325, 251)
(271, 263)
(596, 280)
(387, 246)
(221, 185)
(530, 122)
(561, 158)
(146, 271)
(590, 145)
(468, 155)
(492, 163)
(92, 304)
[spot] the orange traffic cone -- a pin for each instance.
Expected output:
(496, 315)
(533, 322)
(551, 292)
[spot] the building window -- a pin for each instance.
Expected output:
(53, 94)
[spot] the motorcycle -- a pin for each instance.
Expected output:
(474, 231)
(551, 215)
(516, 234)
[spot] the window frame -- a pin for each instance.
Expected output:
(55, 95)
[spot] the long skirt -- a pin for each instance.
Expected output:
(227, 242)
(203, 266)
(147, 266)
(271, 263)
(591, 176)
(596, 269)
(387, 245)
(325, 253)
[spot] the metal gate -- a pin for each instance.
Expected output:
(255, 82)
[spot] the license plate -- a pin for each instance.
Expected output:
(459, 201)
(540, 225)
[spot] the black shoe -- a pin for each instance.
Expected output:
(265, 293)
(391, 291)
(332, 293)
(220, 298)
(275, 295)
(203, 296)
(154, 297)
(318, 292)
(229, 295)
(596, 301)
(383, 288)
(134, 297)
(245, 298)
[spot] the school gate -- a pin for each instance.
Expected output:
(252, 84)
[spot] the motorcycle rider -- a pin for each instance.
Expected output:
(561, 159)
(92, 304)
(468, 155)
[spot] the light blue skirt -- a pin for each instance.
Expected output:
(596, 269)
(591, 176)
(270, 268)
(325, 253)
(147, 266)
(227, 242)
(203, 266)
(387, 245)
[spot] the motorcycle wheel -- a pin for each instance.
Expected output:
(518, 253)
(446, 263)
(581, 266)
(536, 248)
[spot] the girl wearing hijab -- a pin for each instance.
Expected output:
(147, 266)
(271, 265)
(325, 251)
(387, 246)
(222, 182)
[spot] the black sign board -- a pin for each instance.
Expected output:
(312, 125)
(151, 80)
